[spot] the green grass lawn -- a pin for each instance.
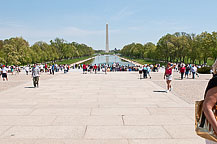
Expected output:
(145, 61)
(71, 61)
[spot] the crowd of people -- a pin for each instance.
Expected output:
(52, 68)
(185, 70)
(33, 70)
(114, 67)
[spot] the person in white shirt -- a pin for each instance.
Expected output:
(41, 68)
(4, 73)
(193, 70)
(35, 75)
(27, 70)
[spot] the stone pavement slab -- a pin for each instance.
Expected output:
(76, 108)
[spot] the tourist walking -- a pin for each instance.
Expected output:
(4, 73)
(53, 69)
(187, 69)
(17, 69)
(168, 76)
(12, 70)
(84, 68)
(193, 71)
(182, 71)
(46, 68)
(27, 70)
(210, 101)
(95, 68)
(91, 68)
(35, 75)
(144, 72)
(41, 68)
(140, 72)
(148, 71)
(106, 68)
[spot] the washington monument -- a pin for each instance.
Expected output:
(107, 40)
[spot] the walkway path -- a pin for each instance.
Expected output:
(116, 108)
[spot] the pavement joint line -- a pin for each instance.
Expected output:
(167, 132)
(85, 131)
(11, 126)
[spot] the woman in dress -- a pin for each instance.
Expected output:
(210, 101)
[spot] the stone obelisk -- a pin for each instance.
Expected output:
(107, 40)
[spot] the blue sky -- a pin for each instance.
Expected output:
(84, 21)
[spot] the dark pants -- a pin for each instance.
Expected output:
(193, 75)
(182, 75)
(53, 72)
(35, 81)
(144, 73)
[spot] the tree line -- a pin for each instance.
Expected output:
(17, 51)
(177, 47)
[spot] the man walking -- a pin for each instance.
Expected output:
(35, 75)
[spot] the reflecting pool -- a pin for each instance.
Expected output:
(110, 59)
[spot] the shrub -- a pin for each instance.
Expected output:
(204, 70)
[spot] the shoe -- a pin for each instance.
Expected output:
(171, 89)
(166, 91)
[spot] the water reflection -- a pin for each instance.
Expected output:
(110, 59)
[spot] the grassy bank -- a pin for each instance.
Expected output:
(144, 61)
(70, 61)
(147, 61)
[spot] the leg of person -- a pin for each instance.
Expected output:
(34, 81)
(37, 81)
(149, 75)
(145, 74)
(197, 74)
(182, 75)
(3, 77)
(169, 85)
(193, 75)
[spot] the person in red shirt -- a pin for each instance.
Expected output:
(84, 68)
(168, 75)
(45, 67)
(182, 71)
(95, 68)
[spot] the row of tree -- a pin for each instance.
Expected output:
(177, 47)
(17, 51)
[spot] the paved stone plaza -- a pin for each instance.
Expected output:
(116, 108)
